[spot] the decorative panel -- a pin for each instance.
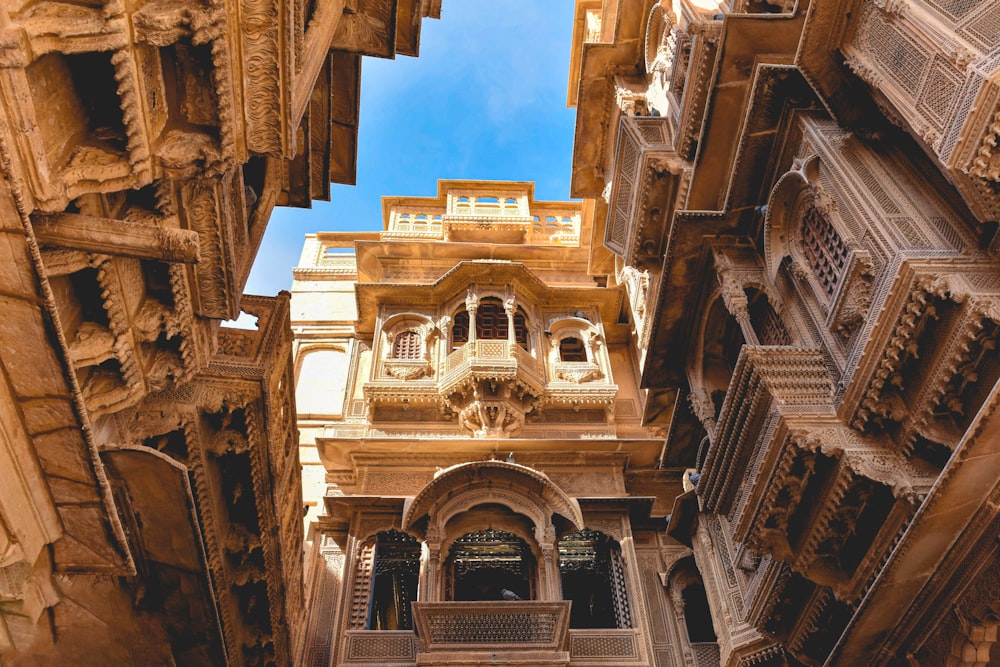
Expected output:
(591, 646)
(381, 646)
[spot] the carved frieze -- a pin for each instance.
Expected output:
(266, 96)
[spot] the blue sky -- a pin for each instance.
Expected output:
(485, 99)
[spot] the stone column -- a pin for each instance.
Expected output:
(738, 306)
(549, 584)
(510, 308)
(471, 305)
(429, 589)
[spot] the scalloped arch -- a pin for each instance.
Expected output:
(472, 482)
(657, 23)
(399, 318)
(782, 203)
(567, 326)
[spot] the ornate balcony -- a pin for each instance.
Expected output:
(648, 177)
(496, 360)
(491, 385)
(765, 377)
(472, 633)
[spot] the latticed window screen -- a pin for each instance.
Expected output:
(385, 582)
(593, 577)
(394, 581)
(765, 321)
(406, 345)
(825, 250)
(623, 616)
(491, 321)
(772, 330)
(362, 585)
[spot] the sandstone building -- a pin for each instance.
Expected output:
(737, 406)
(150, 489)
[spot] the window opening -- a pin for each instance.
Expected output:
(697, 614)
(521, 329)
(491, 321)
(765, 320)
(593, 578)
(491, 324)
(460, 329)
(571, 349)
(394, 581)
(489, 565)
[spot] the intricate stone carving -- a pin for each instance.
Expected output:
(265, 96)
(406, 369)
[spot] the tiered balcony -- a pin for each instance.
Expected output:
(491, 386)
(765, 377)
(802, 488)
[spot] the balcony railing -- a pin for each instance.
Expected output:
(494, 359)
(705, 654)
(492, 626)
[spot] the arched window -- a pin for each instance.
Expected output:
(460, 329)
(571, 349)
(593, 578)
(407, 345)
(490, 565)
(723, 340)
(824, 249)
(385, 582)
(697, 614)
(688, 592)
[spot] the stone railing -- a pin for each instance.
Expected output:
(492, 626)
(494, 358)
(605, 646)
(705, 654)
(415, 223)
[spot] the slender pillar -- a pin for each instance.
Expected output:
(738, 306)
(471, 305)
(510, 307)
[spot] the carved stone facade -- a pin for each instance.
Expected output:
(489, 419)
(798, 198)
(150, 488)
